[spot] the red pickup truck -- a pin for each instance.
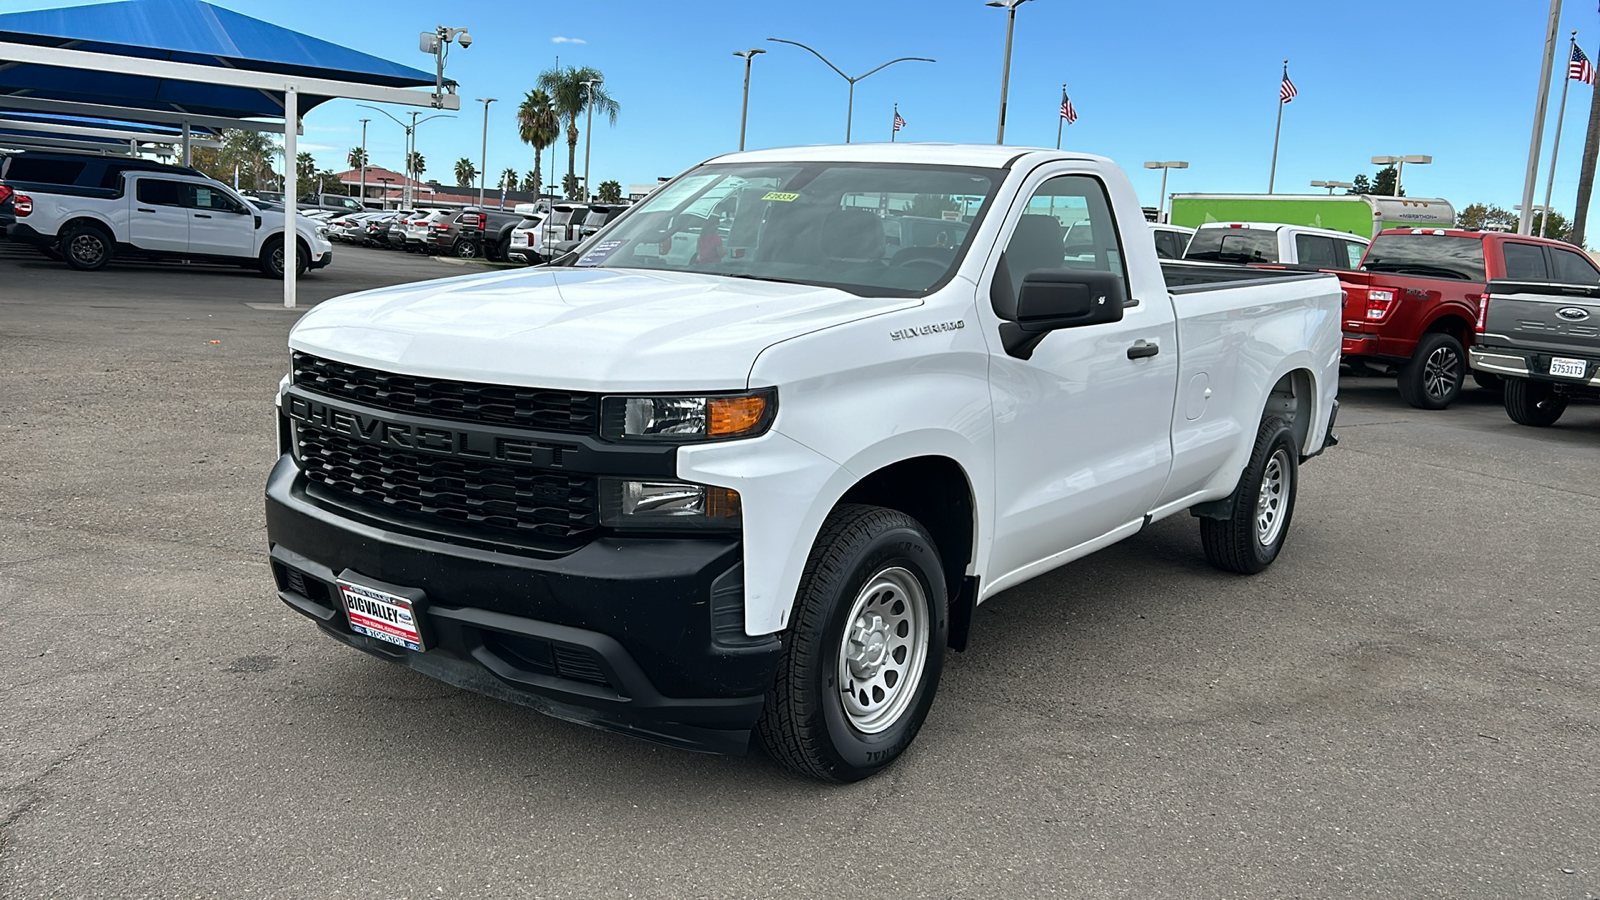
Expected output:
(1412, 306)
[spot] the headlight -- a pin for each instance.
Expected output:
(689, 418)
(667, 504)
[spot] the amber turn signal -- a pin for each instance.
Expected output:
(736, 415)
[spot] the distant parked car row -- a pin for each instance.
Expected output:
(466, 233)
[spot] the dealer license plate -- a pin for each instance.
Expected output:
(1567, 368)
(381, 615)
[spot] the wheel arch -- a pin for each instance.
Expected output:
(1453, 324)
(938, 492)
(85, 219)
(1293, 398)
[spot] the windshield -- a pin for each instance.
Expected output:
(874, 229)
(1427, 256)
(1235, 245)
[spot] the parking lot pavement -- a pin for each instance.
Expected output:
(1407, 704)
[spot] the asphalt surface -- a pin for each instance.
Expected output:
(1406, 705)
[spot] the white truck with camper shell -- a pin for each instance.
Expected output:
(758, 490)
(88, 210)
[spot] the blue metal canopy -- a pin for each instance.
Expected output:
(187, 31)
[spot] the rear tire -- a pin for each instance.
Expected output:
(862, 658)
(86, 247)
(465, 248)
(1254, 533)
(1432, 378)
(1533, 403)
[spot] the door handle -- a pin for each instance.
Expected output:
(201, 216)
(143, 209)
(1142, 349)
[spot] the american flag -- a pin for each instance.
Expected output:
(1580, 67)
(1286, 91)
(899, 122)
(1068, 112)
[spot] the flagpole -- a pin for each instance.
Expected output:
(1272, 178)
(1555, 148)
(893, 131)
(1061, 117)
(1531, 180)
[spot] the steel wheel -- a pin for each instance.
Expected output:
(884, 648)
(1275, 486)
(87, 248)
(1441, 372)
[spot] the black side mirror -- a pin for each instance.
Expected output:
(1052, 299)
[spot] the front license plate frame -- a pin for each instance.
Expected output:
(384, 612)
(1566, 367)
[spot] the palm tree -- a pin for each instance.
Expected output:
(569, 97)
(416, 165)
(509, 179)
(466, 172)
(357, 158)
(537, 126)
(252, 152)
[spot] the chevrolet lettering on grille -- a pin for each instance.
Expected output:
(439, 439)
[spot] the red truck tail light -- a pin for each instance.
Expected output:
(1483, 314)
(4, 193)
(1379, 303)
(475, 220)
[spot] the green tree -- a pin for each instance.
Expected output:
(570, 98)
(416, 165)
(571, 187)
(252, 152)
(357, 157)
(466, 172)
(530, 181)
(305, 169)
(932, 206)
(610, 192)
(1381, 184)
(509, 179)
(538, 127)
(330, 183)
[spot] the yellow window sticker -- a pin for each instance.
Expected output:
(781, 197)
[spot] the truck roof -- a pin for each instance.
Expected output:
(989, 156)
(1488, 235)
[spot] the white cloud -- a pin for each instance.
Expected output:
(567, 40)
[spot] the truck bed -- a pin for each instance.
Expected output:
(1191, 277)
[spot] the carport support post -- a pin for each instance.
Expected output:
(291, 191)
(186, 142)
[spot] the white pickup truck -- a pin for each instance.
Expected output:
(762, 488)
(88, 211)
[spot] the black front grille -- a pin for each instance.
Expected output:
(516, 498)
(572, 412)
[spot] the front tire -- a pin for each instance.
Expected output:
(86, 247)
(1253, 534)
(863, 656)
(271, 261)
(1534, 403)
(1432, 378)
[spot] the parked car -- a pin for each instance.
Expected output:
(1411, 309)
(1266, 243)
(759, 494)
(1171, 240)
(1541, 335)
(90, 209)
(524, 240)
(375, 229)
(416, 228)
(472, 232)
(395, 237)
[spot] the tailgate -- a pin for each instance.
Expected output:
(1553, 318)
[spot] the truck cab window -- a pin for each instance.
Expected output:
(1315, 250)
(1574, 268)
(160, 192)
(1067, 224)
(202, 196)
(1525, 262)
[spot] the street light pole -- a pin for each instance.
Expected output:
(588, 133)
(1010, 6)
(364, 162)
(1332, 185)
(483, 154)
(1165, 167)
(851, 108)
(1399, 162)
(744, 111)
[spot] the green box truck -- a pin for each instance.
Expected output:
(1361, 214)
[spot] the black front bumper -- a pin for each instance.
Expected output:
(324, 262)
(617, 634)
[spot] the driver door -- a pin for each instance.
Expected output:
(218, 224)
(1083, 424)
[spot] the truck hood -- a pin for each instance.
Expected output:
(578, 329)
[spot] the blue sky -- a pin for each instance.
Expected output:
(1151, 79)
